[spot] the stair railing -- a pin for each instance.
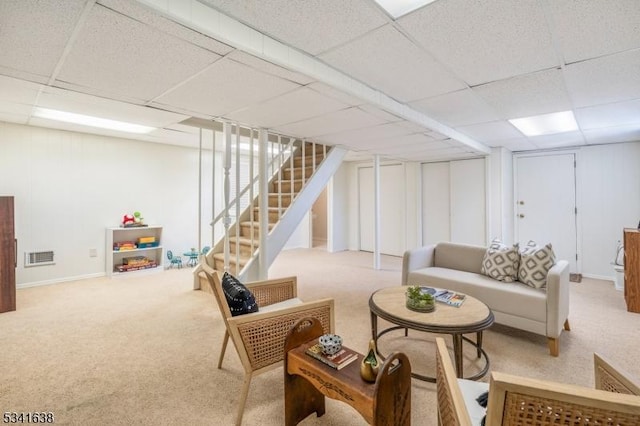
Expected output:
(279, 153)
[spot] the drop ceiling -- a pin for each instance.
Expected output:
(438, 83)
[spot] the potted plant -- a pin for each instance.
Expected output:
(418, 299)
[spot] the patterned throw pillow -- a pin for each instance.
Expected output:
(535, 263)
(239, 298)
(500, 262)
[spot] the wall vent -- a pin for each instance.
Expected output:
(38, 258)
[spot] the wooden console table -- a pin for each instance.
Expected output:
(307, 381)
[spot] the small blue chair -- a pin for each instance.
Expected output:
(205, 250)
(174, 260)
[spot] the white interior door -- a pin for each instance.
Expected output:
(392, 202)
(546, 203)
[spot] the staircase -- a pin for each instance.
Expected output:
(292, 190)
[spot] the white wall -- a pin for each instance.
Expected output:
(608, 201)
(338, 207)
(69, 187)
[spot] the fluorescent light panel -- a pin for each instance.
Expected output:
(398, 8)
(88, 120)
(546, 124)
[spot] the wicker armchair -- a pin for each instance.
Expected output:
(612, 378)
(453, 406)
(259, 337)
(520, 401)
(516, 401)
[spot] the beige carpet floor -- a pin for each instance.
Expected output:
(143, 349)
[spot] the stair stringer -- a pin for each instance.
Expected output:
(289, 221)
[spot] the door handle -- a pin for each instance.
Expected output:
(520, 215)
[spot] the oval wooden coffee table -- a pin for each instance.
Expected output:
(472, 316)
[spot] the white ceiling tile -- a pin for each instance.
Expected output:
(340, 121)
(380, 113)
(515, 144)
(116, 54)
(268, 67)
(327, 90)
(367, 135)
(79, 103)
(558, 140)
(457, 108)
(489, 132)
(608, 79)
(312, 26)
(385, 52)
(140, 12)
(437, 136)
(588, 29)
(297, 105)
(609, 115)
(19, 91)
(523, 96)
(484, 40)
(226, 86)
(34, 33)
(616, 134)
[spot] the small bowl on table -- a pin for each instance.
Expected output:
(330, 343)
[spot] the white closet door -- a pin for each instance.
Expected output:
(436, 225)
(546, 203)
(392, 209)
(468, 201)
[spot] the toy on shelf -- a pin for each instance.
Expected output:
(133, 220)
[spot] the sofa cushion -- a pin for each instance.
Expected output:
(501, 262)
(514, 298)
(462, 257)
(535, 263)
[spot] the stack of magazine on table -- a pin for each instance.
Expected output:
(445, 296)
(339, 360)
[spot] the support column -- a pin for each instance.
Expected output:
(376, 211)
(263, 203)
(226, 130)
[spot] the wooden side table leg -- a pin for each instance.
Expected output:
(300, 400)
(479, 343)
(300, 397)
(392, 404)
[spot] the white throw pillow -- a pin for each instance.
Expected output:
(535, 263)
(500, 262)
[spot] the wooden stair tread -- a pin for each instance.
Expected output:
(243, 240)
(220, 256)
(255, 224)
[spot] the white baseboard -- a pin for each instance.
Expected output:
(599, 277)
(59, 280)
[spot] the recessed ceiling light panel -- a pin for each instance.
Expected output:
(88, 120)
(546, 124)
(398, 8)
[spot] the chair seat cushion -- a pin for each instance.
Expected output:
(471, 390)
(239, 297)
(281, 305)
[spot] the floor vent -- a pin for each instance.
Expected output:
(38, 258)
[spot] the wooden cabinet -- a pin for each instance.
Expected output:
(118, 253)
(632, 269)
(8, 254)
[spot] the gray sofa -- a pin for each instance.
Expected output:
(457, 267)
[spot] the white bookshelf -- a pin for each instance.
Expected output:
(115, 257)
